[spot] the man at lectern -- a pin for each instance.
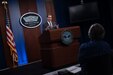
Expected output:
(50, 24)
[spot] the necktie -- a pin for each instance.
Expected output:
(50, 24)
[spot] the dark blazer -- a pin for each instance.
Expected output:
(95, 58)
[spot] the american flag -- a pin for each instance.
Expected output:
(10, 40)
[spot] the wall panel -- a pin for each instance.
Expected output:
(31, 35)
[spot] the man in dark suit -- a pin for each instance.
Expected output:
(50, 24)
(95, 55)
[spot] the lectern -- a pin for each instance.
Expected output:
(55, 53)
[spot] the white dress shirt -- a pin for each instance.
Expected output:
(50, 23)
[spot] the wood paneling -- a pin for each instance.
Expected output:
(50, 8)
(31, 35)
(56, 54)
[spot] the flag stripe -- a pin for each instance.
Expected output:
(17, 29)
(9, 35)
(10, 39)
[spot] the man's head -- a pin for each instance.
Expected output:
(49, 17)
(96, 31)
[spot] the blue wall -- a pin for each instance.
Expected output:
(17, 31)
(41, 9)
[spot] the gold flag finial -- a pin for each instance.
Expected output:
(4, 3)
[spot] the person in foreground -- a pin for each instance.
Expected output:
(95, 55)
(49, 25)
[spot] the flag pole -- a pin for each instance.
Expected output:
(5, 7)
(11, 49)
(4, 3)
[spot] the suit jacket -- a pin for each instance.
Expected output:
(48, 27)
(95, 58)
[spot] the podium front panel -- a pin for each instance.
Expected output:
(54, 52)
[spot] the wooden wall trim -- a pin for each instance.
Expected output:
(31, 35)
(50, 8)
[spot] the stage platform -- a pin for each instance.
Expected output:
(34, 68)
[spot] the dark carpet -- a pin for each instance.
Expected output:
(29, 69)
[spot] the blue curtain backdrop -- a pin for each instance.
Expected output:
(17, 31)
(17, 28)
(41, 9)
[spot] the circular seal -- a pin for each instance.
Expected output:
(66, 37)
(30, 20)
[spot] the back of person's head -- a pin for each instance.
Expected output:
(96, 31)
